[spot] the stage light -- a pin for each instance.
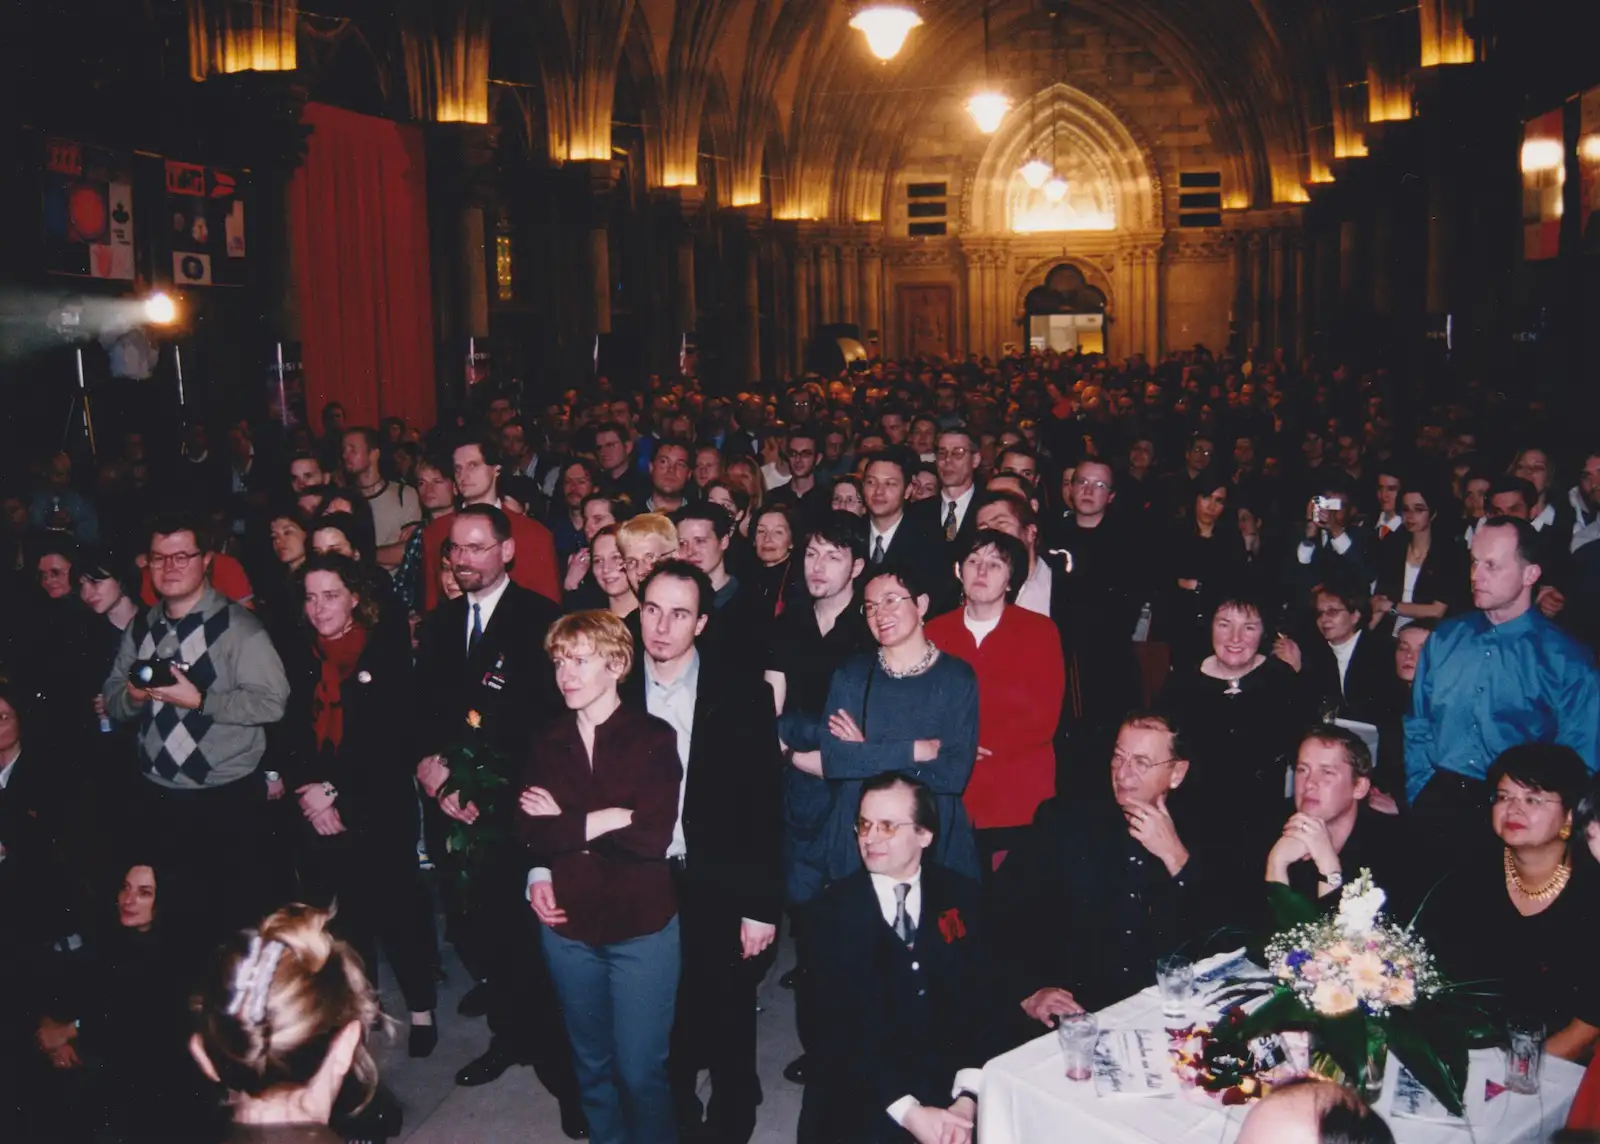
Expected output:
(886, 27)
(1035, 172)
(988, 109)
(160, 310)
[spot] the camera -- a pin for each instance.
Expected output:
(1328, 504)
(148, 673)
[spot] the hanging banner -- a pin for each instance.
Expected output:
(1589, 169)
(88, 210)
(1544, 172)
(286, 385)
(205, 206)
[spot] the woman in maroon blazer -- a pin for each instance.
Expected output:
(598, 812)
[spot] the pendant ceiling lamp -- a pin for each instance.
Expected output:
(886, 26)
(1035, 172)
(987, 107)
(1055, 188)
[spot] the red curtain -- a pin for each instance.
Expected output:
(358, 216)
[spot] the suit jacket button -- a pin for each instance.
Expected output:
(922, 992)
(916, 965)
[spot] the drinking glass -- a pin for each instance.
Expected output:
(1175, 978)
(1524, 1055)
(1077, 1034)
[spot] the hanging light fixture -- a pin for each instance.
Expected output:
(1055, 189)
(987, 106)
(1035, 172)
(886, 26)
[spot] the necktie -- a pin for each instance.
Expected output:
(477, 629)
(1383, 531)
(950, 525)
(877, 550)
(902, 921)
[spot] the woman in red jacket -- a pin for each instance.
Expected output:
(1021, 679)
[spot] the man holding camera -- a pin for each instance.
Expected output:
(1331, 550)
(199, 677)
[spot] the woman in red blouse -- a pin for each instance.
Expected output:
(1021, 679)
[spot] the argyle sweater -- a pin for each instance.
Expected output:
(232, 661)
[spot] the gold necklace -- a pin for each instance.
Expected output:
(1557, 883)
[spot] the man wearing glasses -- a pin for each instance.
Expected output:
(1102, 887)
(950, 514)
(804, 493)
(211, 684)
(483, 654)
(897, 950)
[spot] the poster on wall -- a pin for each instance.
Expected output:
(88, 210)
(1544, 172)
(1589, 170)
(205, 229)
(286, 385)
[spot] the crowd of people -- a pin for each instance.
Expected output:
(991, 682)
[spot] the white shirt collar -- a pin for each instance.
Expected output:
(888, 534)
(980, 629)
(1390, 519)
(1545, 519)
(962, 503)
(1037, 588)
(5, 772)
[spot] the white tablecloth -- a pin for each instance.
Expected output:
(1027, 1099)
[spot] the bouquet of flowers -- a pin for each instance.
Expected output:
(1362, 986)
(476, 777)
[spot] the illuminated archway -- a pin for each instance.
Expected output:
(1112, 180)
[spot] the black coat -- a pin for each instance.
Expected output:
(508, 680)
(920, 546)
(1371, 692)
(894, 1021)
(733, 797)
(1081, 905)
(1442, 578)
(32, 894)
(373, 764)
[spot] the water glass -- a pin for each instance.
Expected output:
(1175, 978)
(1077, 1034)
(1524, 1055)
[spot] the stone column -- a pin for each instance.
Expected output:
(849, 283)
(827, 283)
(462, 164)
(872, 297)
(802, 301)
(1254, 330)
(1300, 257)
(682, 207)
(1278, 286)
(1150, 264)
(599, 180)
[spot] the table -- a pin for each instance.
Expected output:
(1027, 1099)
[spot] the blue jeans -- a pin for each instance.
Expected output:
(618, 1001)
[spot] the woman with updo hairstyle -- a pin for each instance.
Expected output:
(281, 1019)
(344, 748)
(346, 535)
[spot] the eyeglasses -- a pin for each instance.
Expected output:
(1088, 483)
(801, 454)
(956, 454)
(1140, 763)
(634, 563)
(890, 601)
(179, 560)
(473, 550)
(865, 828)
(1526, 801)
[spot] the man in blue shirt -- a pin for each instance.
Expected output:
(1496, 677)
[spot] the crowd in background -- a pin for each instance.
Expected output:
(853, 657)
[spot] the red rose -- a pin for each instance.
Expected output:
(951, 927)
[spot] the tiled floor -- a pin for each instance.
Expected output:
(516, 1108)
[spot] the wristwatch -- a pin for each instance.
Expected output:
(1334, 880)
(273, 776)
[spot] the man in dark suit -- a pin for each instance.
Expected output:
(1330, 547)
(896, 538)
(951, 514)
(726, 851)
(483, 675)
(898, 953)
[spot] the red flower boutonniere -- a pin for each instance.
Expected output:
(951, 927)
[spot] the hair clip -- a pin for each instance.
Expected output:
(252, 978)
